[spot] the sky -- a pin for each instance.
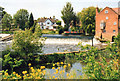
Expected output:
(50, 8)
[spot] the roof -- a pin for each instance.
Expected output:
(44, 19)
(117, 10)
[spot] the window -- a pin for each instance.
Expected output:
(113, 31)
(48, 23)
(102, 25)
(41, 23)
(106, 11)
(104, 31)
(42, 27)
(106, 17)
(115, 23)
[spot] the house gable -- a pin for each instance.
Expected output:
(109, 10)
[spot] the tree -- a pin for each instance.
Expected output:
(2, 13)
(31, 20)
(6, 21)
(87, 18)
(21, 17)
(67, 14)
(58, 22)
(26, 42)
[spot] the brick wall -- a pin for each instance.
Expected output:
(111, 24)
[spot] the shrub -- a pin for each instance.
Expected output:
(27, 42)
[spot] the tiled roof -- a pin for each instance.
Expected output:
(117, 10)
(44, 19)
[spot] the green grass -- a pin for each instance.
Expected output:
(46, 31)
(7, 32)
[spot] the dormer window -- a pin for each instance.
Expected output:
(106, 11)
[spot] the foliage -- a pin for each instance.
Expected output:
(21, 17)
(42, 71)
(7, 32)
(67, 14)
(31, 20)
(58, 22)
(3, 12)
(87, 18)
(47, 31)
(11, 62)
(98, 66)
(101, 64)
(6, 21)
(60, 30)
(27, 42)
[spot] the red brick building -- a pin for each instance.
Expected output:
(107, 26)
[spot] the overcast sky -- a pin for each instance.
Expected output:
(47, 8)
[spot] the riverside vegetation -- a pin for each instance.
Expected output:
(100, 64)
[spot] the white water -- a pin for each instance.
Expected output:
(53, 45)
(73, 41)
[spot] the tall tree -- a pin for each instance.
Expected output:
(31, 20)
(6, 21)
(67, 14)
(87, 18)
(21, 17)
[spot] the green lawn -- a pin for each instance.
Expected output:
(46, 31)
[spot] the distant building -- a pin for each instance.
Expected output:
(107, 23)
(47, 23)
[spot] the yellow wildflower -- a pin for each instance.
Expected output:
(6, 74)
(68, 64)
(31, 68)
(67, 74)
(38, 70)
(57, 63)
(53, 64)
(29, 64)
(63, 71)
(71, 76)
(24, 72)
(36, 73)
(89, 59)
(53, 76)
(61, 62)
(13, 77)
(57, 71)
(42, 67)
(14, 73)
(58, 67)
(60, 72)
(64, 66)
(53, 67)
(17, 75)
(44, 71)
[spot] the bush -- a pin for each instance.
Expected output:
(27, 42)
(60, 30)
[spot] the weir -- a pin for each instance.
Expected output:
(72, 39)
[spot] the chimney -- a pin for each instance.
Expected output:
(97, 11)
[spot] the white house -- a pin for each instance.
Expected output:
(47, 23)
